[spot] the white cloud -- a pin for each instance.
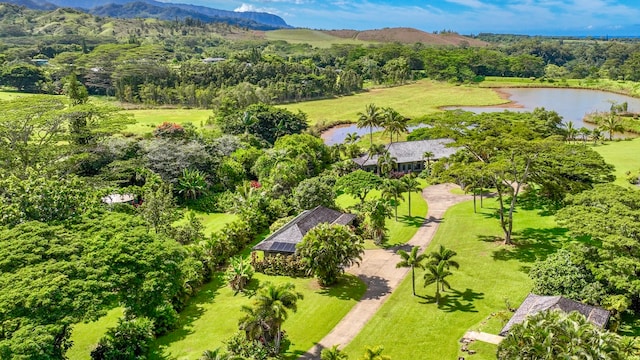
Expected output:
(468, 3)
(245, 8)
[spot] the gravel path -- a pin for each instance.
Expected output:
(378, 270)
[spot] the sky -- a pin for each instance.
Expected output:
(532, 17)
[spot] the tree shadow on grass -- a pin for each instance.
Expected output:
(412, 221)
(193, 311)
(531, 245)
(348, 287)
(454, 300)
(377, 287)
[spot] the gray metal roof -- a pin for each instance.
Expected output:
(285, 239)
(534, 304)
(412, 151)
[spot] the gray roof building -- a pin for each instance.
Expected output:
(534, 304)
(409, 152)
(285, 239)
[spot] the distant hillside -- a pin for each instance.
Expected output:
(161, 10)
(406, 35)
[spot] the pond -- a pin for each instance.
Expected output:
(571, 104)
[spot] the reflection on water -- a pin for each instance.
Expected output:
(571, 104)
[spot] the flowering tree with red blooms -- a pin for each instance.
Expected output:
(169, 130)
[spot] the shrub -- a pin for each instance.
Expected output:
(130, 339)
(281, 265)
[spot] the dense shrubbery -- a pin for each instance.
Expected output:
(281, 265)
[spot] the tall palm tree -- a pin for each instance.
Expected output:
(352, 138)
(596, 134)
(571, 131)
(333, 353)
(410, 185)
(369, 118)
(375, 149)
(412, 260)
(394, 123)
(270, 309)
(377, 211)
(437, 274)
(392, 189)
(443, 255)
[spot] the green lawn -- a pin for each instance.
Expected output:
(212, 316)
(416, 328)
(86, 336)
(631, 88)
(148, 119)
(10, 95)
(402, 230)
(413, 100)
(623, 155)
(212, 222)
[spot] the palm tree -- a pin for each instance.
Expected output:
(571, 131)
(413, 260)
(374, 354)
(247, 120)
(584, 133)
(443, 255)
(437, 274)
(611, 124)
(394, 123)
(386, 163)
(351, 138)
(333, 353)
(428, 155)
(375, 149)
(270, 310)
(596, 134)
(369, 118)
(393, 189)
(216, 354)
(410, 185)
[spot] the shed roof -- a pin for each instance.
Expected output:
(534, 304)
(285, 239)
(118, 198)
(412, 151)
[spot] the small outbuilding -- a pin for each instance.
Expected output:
(534, 304)
(119, 199)
(409, 155)
(284, 240)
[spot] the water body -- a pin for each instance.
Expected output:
(571, 104)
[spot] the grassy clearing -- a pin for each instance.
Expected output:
(148, 119)
(86, 336)
(630, 88)
(212, 316)
(413, 100)
(490, 273)
(402, 230)
(314, 38)
(623, 155)
(212, 222)
(11, 95)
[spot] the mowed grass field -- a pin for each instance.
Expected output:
(314, 38)
(149, 119)
(412, 101)
(490, 274)
(624, 155)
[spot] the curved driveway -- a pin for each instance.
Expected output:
(378, 270)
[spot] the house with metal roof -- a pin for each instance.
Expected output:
(285, 239)
(534, 304)
(409, 155)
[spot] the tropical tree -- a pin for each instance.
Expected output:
(326, 250)
(386, 163)
(394, 123)
(216, 354)
(437, 274)
(333, 353)
(377, 212)
(428, 155)
(443, 255)
(392, 190)
(571, 131)
(375, 149)
(270, 309)
(191, 184)
(584, 134)
(557, 335)
(411, 260)
(374, 354)
(611, 124)
(239, 273)
(357, 184)
(158, 208)
(410, 185)
(351, 138)
(247, 120)
(369, 118)
(596, 135)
